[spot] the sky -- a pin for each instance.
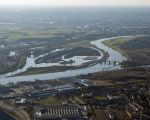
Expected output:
(75, 2)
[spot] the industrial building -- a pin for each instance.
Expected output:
(58, 112)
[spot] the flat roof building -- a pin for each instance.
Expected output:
(64, 87)
(58, 112)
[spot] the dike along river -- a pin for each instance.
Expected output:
(113, 56)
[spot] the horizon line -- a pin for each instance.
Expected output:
(74, 5)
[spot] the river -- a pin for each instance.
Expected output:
(113, 56)
(5, 116)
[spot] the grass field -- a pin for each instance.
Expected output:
(136, 55)
(16, 33)
(77, 43)
(33, 71)
(101, 97)
(115, 43)
(49, 100)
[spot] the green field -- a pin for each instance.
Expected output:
(77, 43)
(101, 97)
(135, 49)
(49, 100)
(24, 38)
(116, 43)
(16, 33)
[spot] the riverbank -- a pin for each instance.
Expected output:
(54, 69)
(136, 49)
(12, 111)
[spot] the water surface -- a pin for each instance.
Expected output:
(113, 56)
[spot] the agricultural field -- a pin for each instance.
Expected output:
(39, 31)
(49, 100)
(22, 41)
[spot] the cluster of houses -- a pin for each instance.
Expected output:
(138, 106)
(133, 99)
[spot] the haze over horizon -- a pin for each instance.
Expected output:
(75, 3)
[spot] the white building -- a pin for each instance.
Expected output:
(12, 53)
